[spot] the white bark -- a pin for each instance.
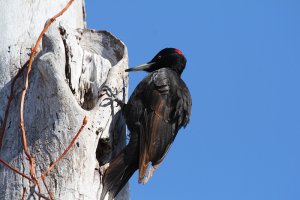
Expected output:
(73, 75)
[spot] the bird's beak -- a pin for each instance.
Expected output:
(140, 67)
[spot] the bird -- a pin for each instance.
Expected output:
(159, 106)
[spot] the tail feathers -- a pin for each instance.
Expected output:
(143, 163)
(117, 175)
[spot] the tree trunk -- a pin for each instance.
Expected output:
(76, 73)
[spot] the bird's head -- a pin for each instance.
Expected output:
(167, 58)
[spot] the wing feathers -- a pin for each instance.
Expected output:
(166, 108)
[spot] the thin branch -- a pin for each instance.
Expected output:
(67, 149)
(41, 196)
(24, 192)
(15, 170)
(32, 55)
(2, 131)
(47, 188)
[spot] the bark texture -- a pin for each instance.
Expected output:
(75, 74)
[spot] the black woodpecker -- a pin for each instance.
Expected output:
(159, 106)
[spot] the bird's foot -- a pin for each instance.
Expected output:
(111, 96)
(119, 102)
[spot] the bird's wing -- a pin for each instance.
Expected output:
(162, 117)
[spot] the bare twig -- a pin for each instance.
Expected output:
(30, 157)
(24, 192)
(15, 170)
(41, 196)
(47, 188)
(32, 55)
(67, 149)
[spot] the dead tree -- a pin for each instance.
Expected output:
(74, 74)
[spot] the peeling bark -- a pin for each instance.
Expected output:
(74, 75)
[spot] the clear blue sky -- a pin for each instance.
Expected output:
(243, 71)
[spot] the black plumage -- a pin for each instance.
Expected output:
(159, 106)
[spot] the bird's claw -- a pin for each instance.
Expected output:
(111, 95)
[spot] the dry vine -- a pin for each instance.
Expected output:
(33, 178)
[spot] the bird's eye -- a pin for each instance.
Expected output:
(159, 57)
